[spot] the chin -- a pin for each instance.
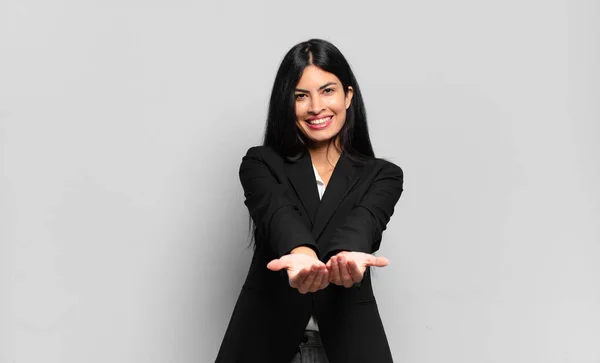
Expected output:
(321, 139)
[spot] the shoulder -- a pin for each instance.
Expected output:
(391, 167)
(264, 153)
(263, 156)
(382, 165)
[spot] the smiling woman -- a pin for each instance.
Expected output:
(321, 104)
(320, 201)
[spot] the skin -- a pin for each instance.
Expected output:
(321, 94)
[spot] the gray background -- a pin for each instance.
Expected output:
(123, 123)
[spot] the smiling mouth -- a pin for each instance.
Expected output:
(319, 121)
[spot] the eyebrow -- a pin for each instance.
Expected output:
(320, 88)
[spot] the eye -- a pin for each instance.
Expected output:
(299, 96)
(328, 90)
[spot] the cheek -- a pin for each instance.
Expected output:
(300, 110)
(337, 104)
(300, 114)
(341, 117)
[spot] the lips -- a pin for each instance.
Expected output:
(317, 123)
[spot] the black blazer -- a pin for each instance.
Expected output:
(269, 317)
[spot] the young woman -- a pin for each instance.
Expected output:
(320, 201)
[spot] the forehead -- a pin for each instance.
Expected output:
(315, 77)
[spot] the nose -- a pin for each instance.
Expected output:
(316, 105)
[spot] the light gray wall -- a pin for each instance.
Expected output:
(123, 123)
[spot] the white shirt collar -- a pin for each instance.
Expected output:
(317, 176)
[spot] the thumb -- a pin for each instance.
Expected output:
(276, 265)
(377, 261)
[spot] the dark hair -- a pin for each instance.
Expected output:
(283, 134)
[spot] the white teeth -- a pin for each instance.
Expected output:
(319, 121)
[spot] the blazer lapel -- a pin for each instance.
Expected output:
(302, 176)
(344, 176)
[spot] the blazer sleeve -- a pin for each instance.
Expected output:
(362, 229)
(276, 217)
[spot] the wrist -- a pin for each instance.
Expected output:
(304, 251)
(337, 252)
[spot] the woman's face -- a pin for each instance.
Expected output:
(320, 104)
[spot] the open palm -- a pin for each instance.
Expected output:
(347, 268)
(305, 273)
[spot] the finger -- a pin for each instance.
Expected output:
(355, 271)
(326, 275)
(296, 280)
(325, 281)
(316, 283)
(315, 286)
(334, 273)
(328, 265)
(308, 281)
(276, 265)
(344, 273)
(377, 261)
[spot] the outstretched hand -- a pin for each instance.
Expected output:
(347, 268)
(305, 272)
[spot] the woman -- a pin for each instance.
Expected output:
(308, 294)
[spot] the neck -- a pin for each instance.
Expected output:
(325, 154)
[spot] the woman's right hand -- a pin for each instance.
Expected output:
(305, 272)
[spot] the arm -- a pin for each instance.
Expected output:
(360, 234)
(271, 208)
(363, 227)
(278, 220)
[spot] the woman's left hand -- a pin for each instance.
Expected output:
(347, 268)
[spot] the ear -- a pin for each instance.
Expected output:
(349, 94)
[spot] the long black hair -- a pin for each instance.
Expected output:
(281, 131)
